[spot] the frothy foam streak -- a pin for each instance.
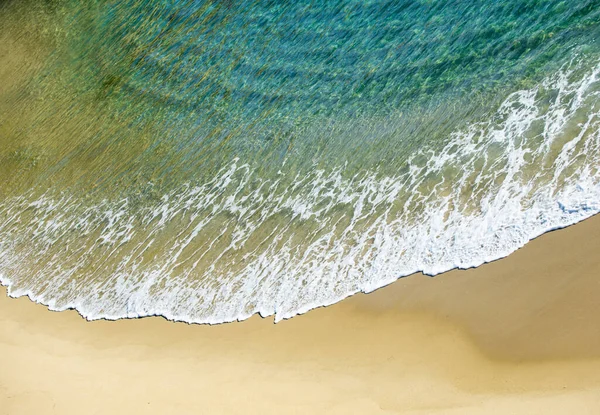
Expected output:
(242, 244)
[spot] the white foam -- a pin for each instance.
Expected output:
(225, 250)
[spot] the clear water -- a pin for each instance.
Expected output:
(206, 161)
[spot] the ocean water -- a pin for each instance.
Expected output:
(207, 161)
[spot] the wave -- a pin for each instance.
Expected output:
(244, 243)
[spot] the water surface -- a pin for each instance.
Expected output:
(206, 161)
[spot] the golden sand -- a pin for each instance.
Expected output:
(517, 336)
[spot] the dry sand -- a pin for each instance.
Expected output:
(517, 336)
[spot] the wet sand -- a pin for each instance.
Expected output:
(517, 336)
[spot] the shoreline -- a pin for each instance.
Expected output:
(5, 284)
(517, 335)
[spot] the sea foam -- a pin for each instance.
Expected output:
(240, 244)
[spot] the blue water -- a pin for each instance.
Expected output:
(206, 161)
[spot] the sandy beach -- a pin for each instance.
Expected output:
(516, 336)
(209, 160)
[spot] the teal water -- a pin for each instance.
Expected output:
(206, 161)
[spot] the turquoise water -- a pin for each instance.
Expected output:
(206, 161)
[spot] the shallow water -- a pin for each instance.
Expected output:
(206, 161)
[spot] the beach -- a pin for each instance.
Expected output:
(299, 208)
(518, 335)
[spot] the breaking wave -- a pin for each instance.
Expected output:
(242, 242)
